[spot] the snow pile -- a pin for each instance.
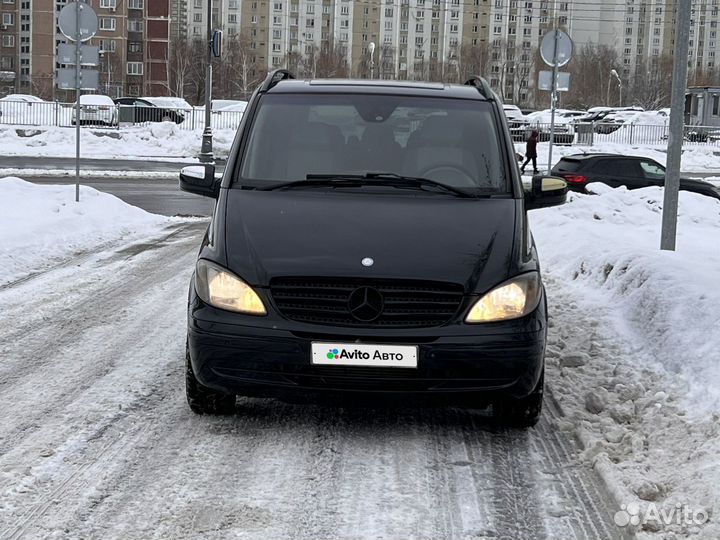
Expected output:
(42, 225)
(634, 348)
(648, 118)
(169, 101)
(668, 300)
(162, 139)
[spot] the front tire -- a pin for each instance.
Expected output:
(524, 412)
(204, 400)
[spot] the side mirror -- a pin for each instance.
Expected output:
(546, 191)
(200, 180)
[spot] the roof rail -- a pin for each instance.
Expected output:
(274, 77)
(482, 86)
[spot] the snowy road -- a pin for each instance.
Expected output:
(96, 440)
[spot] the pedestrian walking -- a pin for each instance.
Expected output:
(531, 152)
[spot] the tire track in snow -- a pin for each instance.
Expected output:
(50, 365)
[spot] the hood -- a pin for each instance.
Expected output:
(700, 186)
(304, 233)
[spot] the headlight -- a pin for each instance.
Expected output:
(221, 289)
(511, 300)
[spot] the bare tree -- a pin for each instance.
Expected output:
(590, 78)
(184, 53)
(652, 84)
(239, 70)
(42, 85)
(308, 61)
(330, 62)
(474, 60)
(388, 62)
(293, 61)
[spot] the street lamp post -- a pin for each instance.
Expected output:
(607, 100)
(614, 73)
(206, 150)
(371, 50)
(105, 55)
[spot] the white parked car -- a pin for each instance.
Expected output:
(564, 130)
(234, 105)
(26, 98)
(96, 109)
(169, 102)
(19, 108)
(517, 122)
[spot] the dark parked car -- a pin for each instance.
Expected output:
(144, 111)
(355, 252)
(617, 170)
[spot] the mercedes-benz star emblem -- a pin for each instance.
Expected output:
(367, 261)
(365, 304)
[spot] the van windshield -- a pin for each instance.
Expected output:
(296, 137)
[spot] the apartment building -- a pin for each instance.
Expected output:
(133, 37)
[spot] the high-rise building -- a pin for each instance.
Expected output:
(133, 37)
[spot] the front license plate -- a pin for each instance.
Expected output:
(362, 354)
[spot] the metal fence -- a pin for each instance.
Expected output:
(24, 113)
(581, 134)
(40, 114)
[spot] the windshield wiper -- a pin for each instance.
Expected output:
(369, 179)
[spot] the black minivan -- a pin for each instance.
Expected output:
(370, 238)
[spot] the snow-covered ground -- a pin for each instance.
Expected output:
(41, 226)
(634, 352)
(89, 173)
(95, 440)
(158, 140)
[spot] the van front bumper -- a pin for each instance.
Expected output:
(257, 356)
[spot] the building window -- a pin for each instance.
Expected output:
(135, 47)
(134, 68)
(108, 4)
(107, 45)
(8, 19)
(135, 26)
(8, 41)
(136, 4)
(107, 23)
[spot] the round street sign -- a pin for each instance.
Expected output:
(564, 48)
(67, 21)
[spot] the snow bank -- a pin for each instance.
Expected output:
(633, 352)
(668, 301)
(162, 139)
(42, 225)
